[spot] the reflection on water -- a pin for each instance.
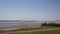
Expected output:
(15, 25)
(9, 25)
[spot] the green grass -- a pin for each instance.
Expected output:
(36, 28)
(49, 26)
(29, 28)
(42, 32)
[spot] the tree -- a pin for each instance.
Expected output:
(44, 24)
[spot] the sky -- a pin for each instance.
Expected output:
(29, 9)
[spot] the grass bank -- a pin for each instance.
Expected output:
(28, 28)
(40, 32)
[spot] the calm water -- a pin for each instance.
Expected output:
(15, 25)
(9, 25)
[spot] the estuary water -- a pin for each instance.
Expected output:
(16, 25)
(9, 25)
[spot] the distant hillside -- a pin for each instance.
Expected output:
(9, 20)
(57, 21)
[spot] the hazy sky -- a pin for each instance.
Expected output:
(30, 9)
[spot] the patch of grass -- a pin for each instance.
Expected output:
(52, 24)
(42, 32)
(2, 31)
(31, 28)
(28, 28)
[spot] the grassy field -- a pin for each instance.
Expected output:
(35, 32)
(40, 32)
(29, 28)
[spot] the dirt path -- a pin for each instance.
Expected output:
(33, 30)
